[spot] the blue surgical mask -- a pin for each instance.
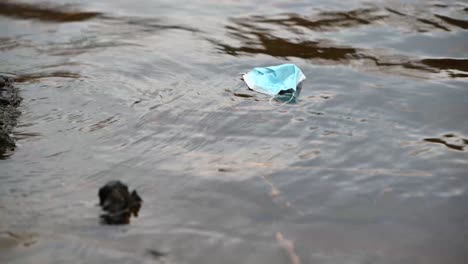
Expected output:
(275, 80)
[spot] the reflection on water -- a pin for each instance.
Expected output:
(323, 21)
(35, 76)
(451, 141)
(262, 35)
(449, 64)
(456, 22)
(150, 25)
(367, 166)
(279, 47)
(43, 13)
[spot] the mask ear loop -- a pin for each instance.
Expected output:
(281, 105)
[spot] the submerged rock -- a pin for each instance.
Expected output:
(9, 102)
(118, 203)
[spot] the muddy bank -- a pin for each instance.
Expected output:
(9, 102)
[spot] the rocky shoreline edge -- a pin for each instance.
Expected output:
(9, 113)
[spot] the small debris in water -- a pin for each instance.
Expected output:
(156, 253)
(243, 95)
(137, 102)
(225, 169)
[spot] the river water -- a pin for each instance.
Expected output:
(368, 166)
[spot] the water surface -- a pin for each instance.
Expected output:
(368, 166)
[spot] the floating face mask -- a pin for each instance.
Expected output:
(275, 80)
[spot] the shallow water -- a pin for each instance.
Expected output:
(369, 166)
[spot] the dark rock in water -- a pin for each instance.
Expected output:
(6, 142)
(9, 102)
(118, 203)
